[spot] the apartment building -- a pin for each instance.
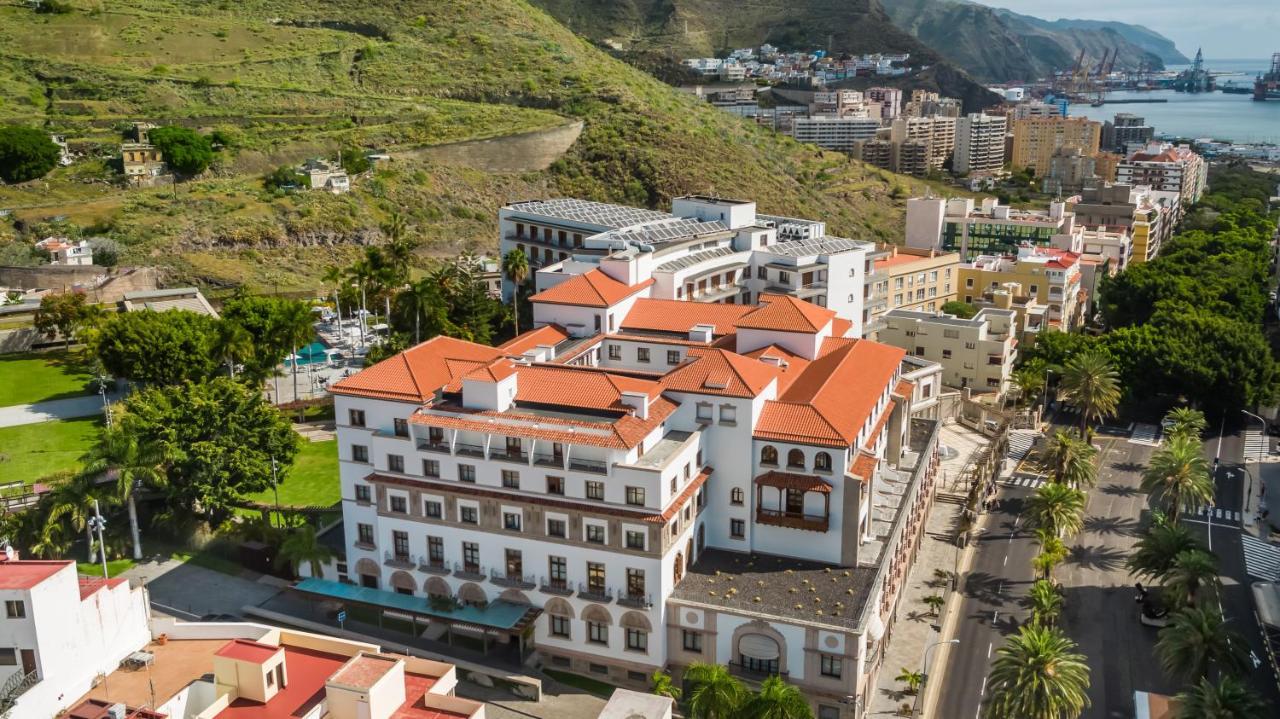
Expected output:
(890, 99)
(910, 278)
(1036, 139)
(834, 133)
(1126, 132)
(976, 354)
(1049, 275)
(60, 631)
(979, 144)
(1030, 316)
(1070, 169)
(597, 497)
(1166, 168)
(708, 249)
(935, 132)
(927, 104)
(1148, 217)
(1024, 110)
(958, 225)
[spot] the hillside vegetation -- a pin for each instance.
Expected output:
(1000, 46)
(283, 80)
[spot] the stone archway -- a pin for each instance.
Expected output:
(759, 635)
(436, 587)
(368, 566)
(636, 620)
(516, 596)
(558, 607)
(401, 579)
(596, 613)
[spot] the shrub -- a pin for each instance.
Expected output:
(26, 153)
(185, 150)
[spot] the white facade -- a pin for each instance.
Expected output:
(980, 143)
(63, 632)
(834, 133)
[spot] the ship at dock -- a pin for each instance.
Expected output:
(1267, 86)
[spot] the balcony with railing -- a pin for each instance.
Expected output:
(592, 466)
(636, 600)
(559, 587)
(547, 459)
(508, 579)
(432, 566)
(468, 450)
(595, 593)
(399, 560)
(508, 454)
(469, 570)
(792, 520)
(426, 445)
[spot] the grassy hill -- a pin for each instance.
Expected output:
(287, 79)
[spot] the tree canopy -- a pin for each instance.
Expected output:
(26, 153)
(160, 348)
(185, 150)
(963, 310)
(221, 437)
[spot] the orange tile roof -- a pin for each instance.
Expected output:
(552, 334)
(864, 466)
(719, 372)
(840, 326)
(415, 374)
(571, 386)
(792, 364)
(833, 399)
(625, 432)
(784, 313)
(790, 480)
(681, 315)
(90, 585)
(880, 423)
(495, 371)
(590, 289)
(904, 388)
(27, 573)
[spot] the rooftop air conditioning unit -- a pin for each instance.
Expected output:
(117, 711)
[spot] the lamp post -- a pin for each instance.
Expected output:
(102, 392)
(1045, 391)
(924, 671)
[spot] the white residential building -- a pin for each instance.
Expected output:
(834, 133)
(60, 631)
(980, 143)
(976, 353)
(327, 176)
(707, 249)
(1166, 168)
(645, 483)
(65, 252)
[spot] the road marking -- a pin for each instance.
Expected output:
(989, 645)
(995, 615)
(983, 690)
(1006, 560)
(1000, 588)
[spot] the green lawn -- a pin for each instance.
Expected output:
(313, 479)
(39, 376)
(31, 451)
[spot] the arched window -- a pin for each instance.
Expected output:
(822, 461)
(769, 455)
(735, 495)
(795, 459)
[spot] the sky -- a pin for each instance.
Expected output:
(1232, 29)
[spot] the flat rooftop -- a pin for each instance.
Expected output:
(784, 587)
(586, 211)
(176, 664)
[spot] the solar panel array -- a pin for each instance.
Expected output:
(822, 245)
(669, 231)
(694, 259)
(602, 214)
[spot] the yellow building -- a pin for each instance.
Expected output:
(911, 279)
(1048, 275)
(1035, 139)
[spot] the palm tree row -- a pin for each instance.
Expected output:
(1038, 674)
(714, 693)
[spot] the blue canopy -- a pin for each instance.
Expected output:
(498, 614)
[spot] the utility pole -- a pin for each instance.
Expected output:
(924, 672)
(97, 523)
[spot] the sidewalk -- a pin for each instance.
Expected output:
(69, 408)
(914, 627)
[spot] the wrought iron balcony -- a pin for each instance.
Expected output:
(505, 579)
(397, 559)
(604, 595)
(635, 601)
(555, 586)
(507, 455)
(428, 446)
(593, 466)
(432, 566)
(474, 572)
(468, 450)
(548, 460)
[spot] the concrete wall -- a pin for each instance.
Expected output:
(527, 152)
(102, 284)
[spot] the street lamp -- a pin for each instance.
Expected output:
(924, 671)
(1045, 391)
(102, 391)
(97, 524)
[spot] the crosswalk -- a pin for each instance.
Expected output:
(1145, 434)
(1255, 445)
(1261, 559)
(1022, 480)
(1219, 514)
(1020, 443)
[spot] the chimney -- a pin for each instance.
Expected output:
(702, 333)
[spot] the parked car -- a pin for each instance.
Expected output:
(1151, 610)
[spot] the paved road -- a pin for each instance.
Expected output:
(69, 408)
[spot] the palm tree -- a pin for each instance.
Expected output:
(1052, 551)
(1072, 460)
(399, 248)
(1228, 699)
(515, 265)
(1178, 476)
(136, 464)
(419, 298)
(777, 700)
(1191, 570)
(1029, 379)
(935, 602)
(1157, 550)
(70, 499)
(1197, 639)
(292, 331)
(233, 344)
(1058, 508)
(1186, 421)
(1045, 601)
(1038, 675)
(302, 547)
(1090, 383)
(714, 693)
(660, 683)
(913, 679)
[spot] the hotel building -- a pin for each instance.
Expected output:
(642, 482)
(957, 225)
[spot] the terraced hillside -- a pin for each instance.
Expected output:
(283, 80)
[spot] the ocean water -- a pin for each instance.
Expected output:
(1217, 115)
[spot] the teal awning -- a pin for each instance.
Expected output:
(498, 614)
